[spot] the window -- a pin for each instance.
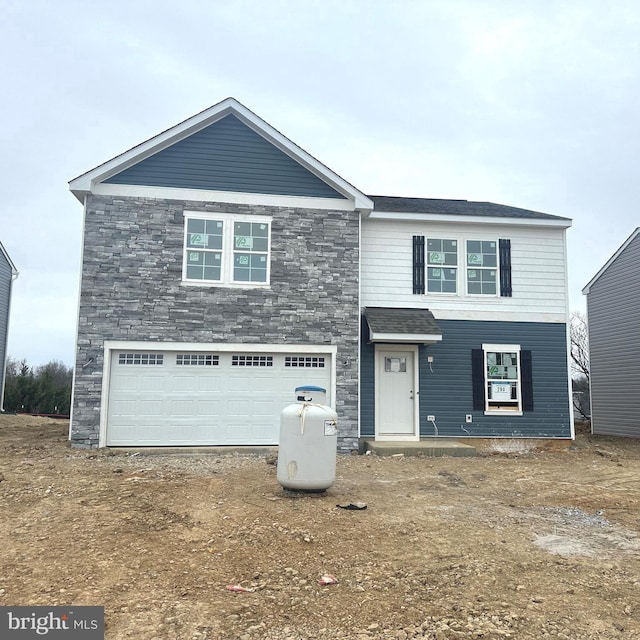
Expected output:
(251, 361)
(226, 250)
(482, 267)
(442, 266)
(141, 358)
(250, 251)
(502, 379)
(486, 266)
(308, 362)
(197, 359)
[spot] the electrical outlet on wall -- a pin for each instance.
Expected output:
(469, 417)
(431, 418)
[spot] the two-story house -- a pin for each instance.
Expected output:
(223, 266)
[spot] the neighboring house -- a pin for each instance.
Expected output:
(613, 310)
(8, 273)
(223, 266)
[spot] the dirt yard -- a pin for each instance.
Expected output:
(506, 545)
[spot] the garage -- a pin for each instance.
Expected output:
(188, 397)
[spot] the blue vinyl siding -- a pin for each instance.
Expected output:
(226, 156)
(367, 383)
(446, 385)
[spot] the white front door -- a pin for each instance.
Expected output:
(396, 393)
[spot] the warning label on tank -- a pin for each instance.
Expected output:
(330, 427)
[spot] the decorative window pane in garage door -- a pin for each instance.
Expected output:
(197, 359)
(235, 400)
(140, 358)
(252, 361)
(305, 362)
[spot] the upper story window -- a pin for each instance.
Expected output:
(462, 266)
(442, 266)
(482, 267)
(224, 249)
(250, 251)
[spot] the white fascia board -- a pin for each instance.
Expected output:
(407, 338)
(224, 347)
(86, 182)
(609, 262)
(14, 271)
(232, 197)
(562, 223)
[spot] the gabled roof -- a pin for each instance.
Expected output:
(393, 204)
(84, 183)
(611, 260)
(3, 251)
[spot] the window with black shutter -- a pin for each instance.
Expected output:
(502, 379)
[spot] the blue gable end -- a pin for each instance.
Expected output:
(226, 156)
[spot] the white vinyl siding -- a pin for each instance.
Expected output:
(538, 270)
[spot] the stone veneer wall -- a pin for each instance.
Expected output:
(131, 290)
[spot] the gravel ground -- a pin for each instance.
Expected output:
(512, 544)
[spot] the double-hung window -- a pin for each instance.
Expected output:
(503, 378)
(462, 266)
(442, 265)
(482, 267)
(225, 249)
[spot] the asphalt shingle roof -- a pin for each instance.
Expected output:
(413, 321)
(392, 204)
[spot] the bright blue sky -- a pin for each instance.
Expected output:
(524, 103)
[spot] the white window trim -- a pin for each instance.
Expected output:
(486, 348)
(428, 266)
(226, 271)
(462, 283)
(497, 269)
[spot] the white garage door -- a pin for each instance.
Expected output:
(187, 398)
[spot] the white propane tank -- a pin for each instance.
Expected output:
(308, 442)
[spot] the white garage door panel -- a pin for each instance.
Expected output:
(154, 401)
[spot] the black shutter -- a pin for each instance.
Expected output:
(526, 380)
(505, 267)
(418, 264)
(477, 376)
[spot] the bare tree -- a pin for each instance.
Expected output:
(580, 376)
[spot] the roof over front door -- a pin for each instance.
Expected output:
(407, 326)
